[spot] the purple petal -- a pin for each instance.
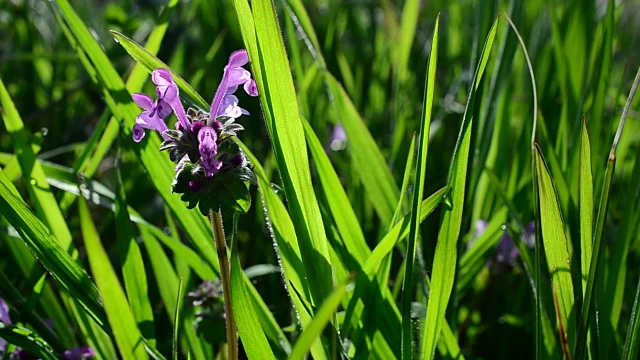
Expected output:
(481, 227)
(79, 353)
(137, 132)
(208, 149)
(251, 88)
(229, 107)
(4, 312)
(237, 59)
(151, 121)
(143, 101)
(166, 89)
(237, 76)
(162, 108)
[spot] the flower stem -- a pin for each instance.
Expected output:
(225, 278)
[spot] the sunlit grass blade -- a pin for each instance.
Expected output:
(28, 340)
(43, 200)
(46, 249)
(121, 318)
(366, 155)
(254, 340)
(320, 320)
(555, 247)
(445, 256)
(418, 183)
(586, 204)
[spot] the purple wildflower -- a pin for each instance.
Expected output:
(4, 318)
(153, 116)
(506, 253)
(338, 140)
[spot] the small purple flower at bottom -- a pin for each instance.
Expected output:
(83, 352)
(4, 317)
(208, 150)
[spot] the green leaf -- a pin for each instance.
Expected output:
(445, 257)
(557, 253)
(586, 204)
(421, 169)
(121, 318)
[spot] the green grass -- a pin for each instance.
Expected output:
(473, 211)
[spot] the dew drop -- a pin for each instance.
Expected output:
(33, 182)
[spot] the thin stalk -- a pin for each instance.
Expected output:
(225, 278)
(587, 308)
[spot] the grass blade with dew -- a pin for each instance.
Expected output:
(121, 319)
(587, 305)
(445, 257)
(421, 169)
(277, 95)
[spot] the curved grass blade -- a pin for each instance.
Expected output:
(320, 320)
(586, 204)
(555, 247)
(445, 257)
(121, 319)
(421, 169)
(46, 249)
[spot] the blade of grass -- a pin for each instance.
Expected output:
(43, 200)
(133, 271)
(320, 320)
(599, 229)
(555, 246)
(121, 318)
(421, 169)
(176, 322)
(632, 343)
(445, 256)
(28, 340)
(251, 333)
(46, 249)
